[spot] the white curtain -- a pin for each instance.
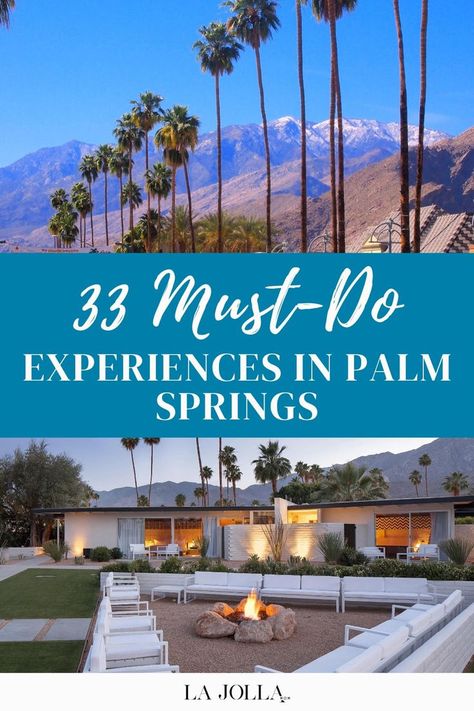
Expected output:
(439, 529)
(130, 530)
(210, 532)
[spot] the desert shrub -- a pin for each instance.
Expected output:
(253, 565)
(276, 535)
(55, 551)
(116, 553)
(101, 554)
(467, 520)
(171, 565)
(205, 564)
(457, 550)
(79, 560)
(141, 565)
(331, 546)
(350, 556)
(300, 566)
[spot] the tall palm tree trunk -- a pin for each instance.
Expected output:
(190, 205)
(89, 182)
(341, 209)
(421, 127)
(304, 177)
(84, 234)
(173, 211)
(267, 148)
(122, 222)
(234, 490)
(198, 449)
(404, 154)
(221, 491)
(332, 139)
(130, 180)
(134, 474)
(148, 196)
(220, 241)
(106, 198)
(159, 223)
(80, 230)
(151, 475)
(426, 481)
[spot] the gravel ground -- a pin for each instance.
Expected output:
(319, 631)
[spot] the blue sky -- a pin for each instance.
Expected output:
(106, 465)
(69, 69)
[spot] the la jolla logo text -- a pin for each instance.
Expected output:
(186, 302)
(235, 692)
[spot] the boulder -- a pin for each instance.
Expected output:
(254, 631)
(283, 624)
(223, 609)
(211, 624)
(273, 610)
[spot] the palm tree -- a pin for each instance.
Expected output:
(158, 184)
(143, 501)
(180, 500)
(455, 483)
(421, 127)
(147, 228)
(89, 172)
(103, 156)
(206, 475)
(151, 441)
(58, 199)
(54, 227)
(331, 11)
(131, 195)
(253, 22)
(178, 136)
(415, 478)
(130, 444)
(351, 483)
(68, 230)
(425, 461)
(81, 202)
(219, 459)
(199, 494)
(304, 169)
(201, 468)
(6, 6)
(228, 459)
(302, 471)
(248, 235)
(217, 52)
(315, 475)
(146, 113)
(235, 475)
(130, 139)
(119, 166)
(271, 464)
(404, 150)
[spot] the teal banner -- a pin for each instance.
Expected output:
(236, 345)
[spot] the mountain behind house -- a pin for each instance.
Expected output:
(26, 185)
(447, 456)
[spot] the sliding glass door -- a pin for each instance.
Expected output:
(395, 532)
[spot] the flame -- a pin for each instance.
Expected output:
(252, 606)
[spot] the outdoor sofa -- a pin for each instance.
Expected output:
(385, 590)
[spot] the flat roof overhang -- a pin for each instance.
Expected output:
(150, 509)
(423, 500)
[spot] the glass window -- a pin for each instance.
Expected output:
(187, 532)
(263, 517)
(157, 531)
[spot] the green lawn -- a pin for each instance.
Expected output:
(49, 594)
(36, 657)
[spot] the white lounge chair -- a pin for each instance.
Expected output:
(139, 550)
(373, 552)
(171, 550)
(135, 647)
(127, 595)
(98, 662)
(426, 551)
(112, 622)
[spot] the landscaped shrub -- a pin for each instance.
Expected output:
(101, 554)
(116, 553)
(253, 565)
(457, 550)
(300, 566)
(203, 546)
(79, 560)
(350, 556)
(331, 546)
(467, 520)
(204, 564)
(55, 551)
(116, 568)
(142, 565)
(171, 565)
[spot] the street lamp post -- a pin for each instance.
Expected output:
(324, 238)
(391, 228)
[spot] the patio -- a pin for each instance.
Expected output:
(319, 630)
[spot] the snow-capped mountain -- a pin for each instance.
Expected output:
(25, 186)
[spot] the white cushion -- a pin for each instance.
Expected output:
(354, 584)
(452, 601)
(392, 644)
(134, 623)
(366, 661)
(283, 582)
(321, 582)
(284, 592)
(408, 585)
(97, 654)
(419, 625)
(329, 662)
(252, 580)
(135, 646)
(124, 594)
(207, 588)
(205, 578)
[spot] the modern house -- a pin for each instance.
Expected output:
(235, 533)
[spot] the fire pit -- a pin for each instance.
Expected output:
(250, 621)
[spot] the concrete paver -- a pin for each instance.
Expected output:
(21, 630)
(68, 629)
